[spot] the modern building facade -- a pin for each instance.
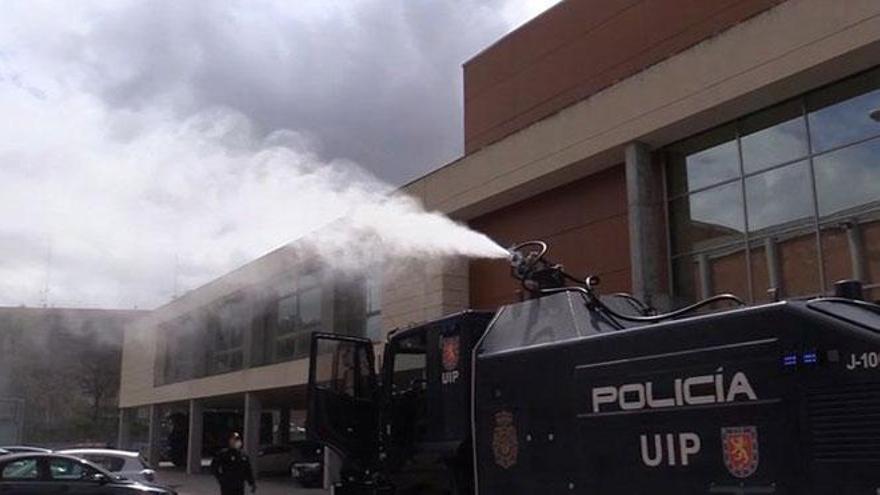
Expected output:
(231, 356)
(676, 149)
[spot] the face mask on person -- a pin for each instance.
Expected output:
(237, 444)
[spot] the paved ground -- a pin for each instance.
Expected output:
(203, 484)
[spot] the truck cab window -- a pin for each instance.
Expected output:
(408, 403)
(344, 368)
(409, 364)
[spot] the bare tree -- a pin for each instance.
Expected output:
(98, 378)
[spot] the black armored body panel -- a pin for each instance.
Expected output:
(781, 398)
(572, 393)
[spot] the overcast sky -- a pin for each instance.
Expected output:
(134, 134)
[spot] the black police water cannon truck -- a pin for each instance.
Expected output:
(573, 392)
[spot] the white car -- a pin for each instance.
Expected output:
(24, 449)
(127, 464)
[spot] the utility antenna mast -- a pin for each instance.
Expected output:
(176, 273)
(44, 297)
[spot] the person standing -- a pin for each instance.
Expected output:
(232, 468)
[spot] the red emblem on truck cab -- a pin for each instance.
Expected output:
(450, 350)
(741, 453)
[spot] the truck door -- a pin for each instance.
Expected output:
(342, 410)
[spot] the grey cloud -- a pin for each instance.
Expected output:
(377, 82)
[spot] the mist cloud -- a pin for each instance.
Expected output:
(148, 145)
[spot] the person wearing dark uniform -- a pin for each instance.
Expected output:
(232, 468)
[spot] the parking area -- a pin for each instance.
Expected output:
(204, 484)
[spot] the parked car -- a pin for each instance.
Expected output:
(24, 449)
(123, 463)
(307, 468)
(301, 459)
(4, 452)
(274, 459)
(41, 473)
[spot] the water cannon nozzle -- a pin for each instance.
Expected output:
(528, 265)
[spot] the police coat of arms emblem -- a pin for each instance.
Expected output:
(505, 445)
(449, 347)
(741, 453)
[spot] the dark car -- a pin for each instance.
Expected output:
(307, 466)
(275, 459)
(41, 473)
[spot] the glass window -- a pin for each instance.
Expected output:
(310, 305)
(110, 463)
(786, 262)
(409, 362)
(727, 270)
(226, 326)
(685, 280)
(769, 153)
(232, 318)
(373, 308)
(772, 137)
(702, 161)
(869, 229)
(707, 218)
(227, 361)
(288, 314)
(841, 114)
(285, 348)
(765, 269)
(798, 264)
(301, 308)
(779, 198)
(68, 470)
(836, 259)
(23, 469)
(182, 342)
(848, 180)
(709, 273)
(298, 315)
(344, 368)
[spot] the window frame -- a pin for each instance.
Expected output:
(814, 224)
(216, 331)
(300, 332)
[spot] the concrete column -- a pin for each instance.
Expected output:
(252, 411)
(126, 418)
(647, 237)
(284, 425)
(705, 270)
(194, 438)
(856, 252)
(155, 428)
(773, 269)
